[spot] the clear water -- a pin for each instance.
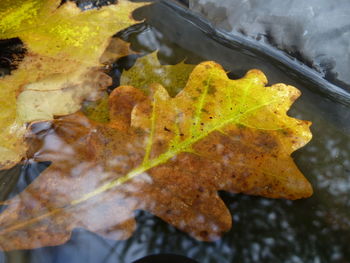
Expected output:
(264, 230)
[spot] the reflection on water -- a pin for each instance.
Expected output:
(264, 230)
(297, 27)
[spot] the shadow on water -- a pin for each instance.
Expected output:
(264, 230)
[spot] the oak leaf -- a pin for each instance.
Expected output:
(62, 66)
(169, 156)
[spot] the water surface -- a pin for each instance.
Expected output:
(264, 230)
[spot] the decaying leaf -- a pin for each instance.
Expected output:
(61, 68)
(169, 156)
(148, 70)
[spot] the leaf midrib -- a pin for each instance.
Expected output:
(184, 146)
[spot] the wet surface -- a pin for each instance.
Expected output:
(162, 258)
(315, 32)
(264, 230)
(88, 4)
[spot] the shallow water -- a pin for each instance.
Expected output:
(315, 32)
(264, 230)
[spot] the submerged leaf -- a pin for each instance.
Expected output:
(62, 66)
(148, 70)
(61, 94)
(97, 110)
(116, 49)
(169, 156)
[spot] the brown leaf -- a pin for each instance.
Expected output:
(168, 156)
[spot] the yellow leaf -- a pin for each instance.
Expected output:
(61, 68)
(211, 106)
(67, 31)
(21, 15)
